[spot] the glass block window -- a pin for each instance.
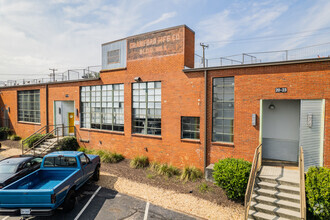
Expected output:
(29, 106)
(113, 56)
(190, 127)
(102, 107)
(223, 109)
(147, 108)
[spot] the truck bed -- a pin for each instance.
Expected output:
(42, 179)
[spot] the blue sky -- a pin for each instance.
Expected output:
(36, 35)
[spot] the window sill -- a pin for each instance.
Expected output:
(195, 141)
(102, 131)
(147, 136)
(223, 144)
(30, 123)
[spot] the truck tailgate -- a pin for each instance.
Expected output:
(26, 198)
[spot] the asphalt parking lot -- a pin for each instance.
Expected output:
(94, 202)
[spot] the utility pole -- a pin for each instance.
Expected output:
(204, 46)
(53, 74)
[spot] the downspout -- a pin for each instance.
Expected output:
(47, 124)
(205, 120)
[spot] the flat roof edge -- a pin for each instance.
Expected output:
(312, 60)
(51, 83)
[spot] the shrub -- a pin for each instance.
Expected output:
(318, 191)
(4, 132)
(109, 157)
(15, 137)
(68, 143)
(139, 162)
(191, 173)
(154, 166)
(232, 175)
(167, 170)
(33, 139)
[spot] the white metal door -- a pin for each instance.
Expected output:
(311, 131)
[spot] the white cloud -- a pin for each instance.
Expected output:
(238, 21)
(36, 36)
(315, 18)
(162, 18)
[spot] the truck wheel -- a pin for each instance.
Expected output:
(70, 201)
(96, 175)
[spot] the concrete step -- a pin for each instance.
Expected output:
(209, 173)
(278, 195)
(273, 210)
(279, 180)
(279, 187)
(263, 216)
(294, 206)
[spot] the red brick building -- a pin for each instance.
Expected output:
(150, 100)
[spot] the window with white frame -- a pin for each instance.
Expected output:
(102, 107)
(29, 106)
(223, 109)
(146, 108)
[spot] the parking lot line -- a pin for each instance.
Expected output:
(89, 201)
(146, 211)
(5, 218)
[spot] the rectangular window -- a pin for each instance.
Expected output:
(223, 109)
(102, 107)
(147, 108)
(29, 106)
(190, 127)
(113, 56)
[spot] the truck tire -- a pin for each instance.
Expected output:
(96, 175)
(69, 201)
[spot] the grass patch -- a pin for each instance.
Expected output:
(86, 151)
(109, 157)
(15, 137)
(139, 162)
(168, 170)
(150, 176)
(204, 188)
(164, 169)
(191, 173)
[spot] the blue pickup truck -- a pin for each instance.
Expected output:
(54, 184)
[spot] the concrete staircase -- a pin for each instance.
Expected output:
(48, 146)
(276, 194)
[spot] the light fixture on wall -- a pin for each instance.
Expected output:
(271, 106)
(137, 79)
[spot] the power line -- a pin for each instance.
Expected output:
(280, 36)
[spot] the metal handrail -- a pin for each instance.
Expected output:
(52, 132)
(302, 185)
(256, 165)
(40, 131)
(36, 132)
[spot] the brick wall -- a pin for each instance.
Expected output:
(304, 81)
